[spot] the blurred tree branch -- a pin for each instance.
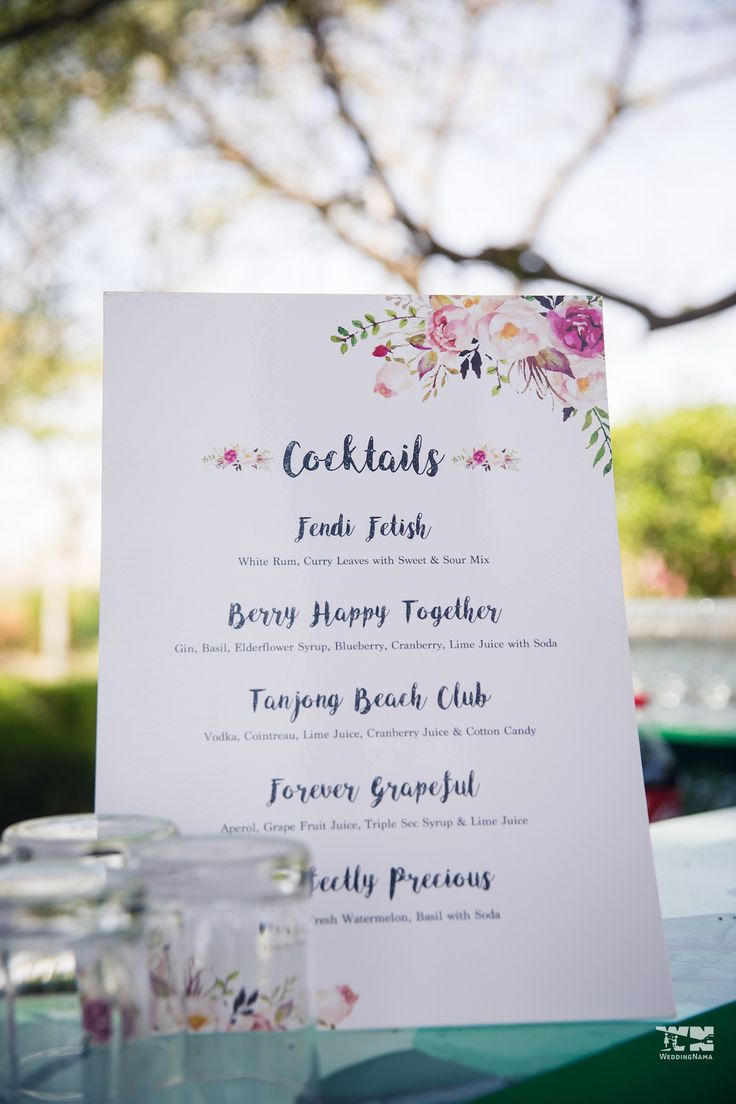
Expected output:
(615, 106)
(40, 18)
(310, 12)
(521, 260)
(209, 54)
(213, 137)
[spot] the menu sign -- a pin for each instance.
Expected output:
(361, 586)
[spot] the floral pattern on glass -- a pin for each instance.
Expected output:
(548, 346)
(213, 1004)
(101, 1012)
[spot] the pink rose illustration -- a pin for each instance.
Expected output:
(479, 456)
(451, 329)
(583, 392)
(230, 456)
(514, 331)
(335, 1005)
(259, 1022)
(381, 351)
(579, 328)
(97, 1019)
(392, 378)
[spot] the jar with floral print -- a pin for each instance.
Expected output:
(74, 986)
(244, 962)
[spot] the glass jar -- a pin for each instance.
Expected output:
(73, 985)
(85, 835)
(244, 977)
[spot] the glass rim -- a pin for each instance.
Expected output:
(248, 867)
(86, 833)
(57, 884)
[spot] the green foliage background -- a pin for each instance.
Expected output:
(676, 495)
(47, 742)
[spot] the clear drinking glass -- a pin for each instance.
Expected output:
(110, 841)
(85, 835)
(245, 979)
(74, 988)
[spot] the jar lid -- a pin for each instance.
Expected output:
(103, 834)
(74, 898)
(246, 868)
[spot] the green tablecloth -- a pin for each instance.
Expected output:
(695, 858)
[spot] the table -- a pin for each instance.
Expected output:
(695, 860)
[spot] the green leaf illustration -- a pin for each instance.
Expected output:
(599, 455)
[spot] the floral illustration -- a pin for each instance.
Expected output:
(481, 456)
(97, 1019)
(239, 458)
(100, 1011)
(334, 1005)
(214, 1004)
(164, 1005)
(549, 346)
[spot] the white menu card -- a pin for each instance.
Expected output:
(361, 586)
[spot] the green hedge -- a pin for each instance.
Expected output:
(47, 748)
